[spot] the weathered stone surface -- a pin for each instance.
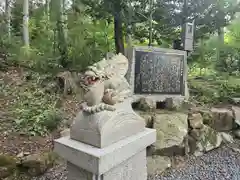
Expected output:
(237, 133)
(37, 164)
(206, 139)
(133, 168)
(196, 133)
(195, 120)
(173, 103)
(236, 114)
(227, 138)
(7, 165)
(107, 141)
(102, 160)
(207, 115)
(192, 144)
(188, 105)
(148, 117)
(171, 129)
(236, 100)
(146, 104)
(65, 132)
(222, 119)
(4, 172)
(157, 164)
(106, 127)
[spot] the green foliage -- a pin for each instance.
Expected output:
(36, 111)
(86, 43)
(214, 89)
(81, 34)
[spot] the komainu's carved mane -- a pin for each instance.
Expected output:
(105, 84)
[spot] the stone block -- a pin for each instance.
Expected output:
(107, 145)
(171, 128)
(195, 120)
(106, 127)
(146, 104)
(99, 161)
(204, 140)
(125, 159)
(236, 113)
(173, 103)
(222, 119)
(133, 168)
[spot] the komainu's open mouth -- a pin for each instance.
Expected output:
(91, 79)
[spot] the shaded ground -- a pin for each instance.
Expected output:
(13, 142)
(219, 164)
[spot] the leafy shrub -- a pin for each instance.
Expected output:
(215, 89)
(36, 111)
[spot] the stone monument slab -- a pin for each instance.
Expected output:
(157, 73)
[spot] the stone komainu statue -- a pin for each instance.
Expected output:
(105, 85)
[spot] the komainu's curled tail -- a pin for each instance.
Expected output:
(98, 108)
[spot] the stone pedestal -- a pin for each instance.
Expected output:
(107, 145)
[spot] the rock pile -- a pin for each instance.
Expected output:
(30, 164)
(182, 128)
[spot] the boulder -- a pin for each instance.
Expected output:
(236, 114)
(65, 132)
(37, 164)
(173, 103)
(195, 120)
(222, 119)
(7, 165)
(236, 100)
(196, 133)
(227, 138)
(4, 172)
(207, 115)
(172, 129)
(148, 117)
(204, 140)
(157, 164)
(188, 105)
(237, 133)
(146, 104)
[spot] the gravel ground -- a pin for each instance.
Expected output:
(219, 164)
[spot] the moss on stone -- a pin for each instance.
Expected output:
(6, 160)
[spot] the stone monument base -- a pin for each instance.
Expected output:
(131, 169)
(123, 160)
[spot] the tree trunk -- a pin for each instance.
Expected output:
(118, 32)
(106, 35)
(220, 32)
(62, 39)
(25, 22)
(151, 24)
(48, 10)
(129, 37)
(65, 18)
(8, 18)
